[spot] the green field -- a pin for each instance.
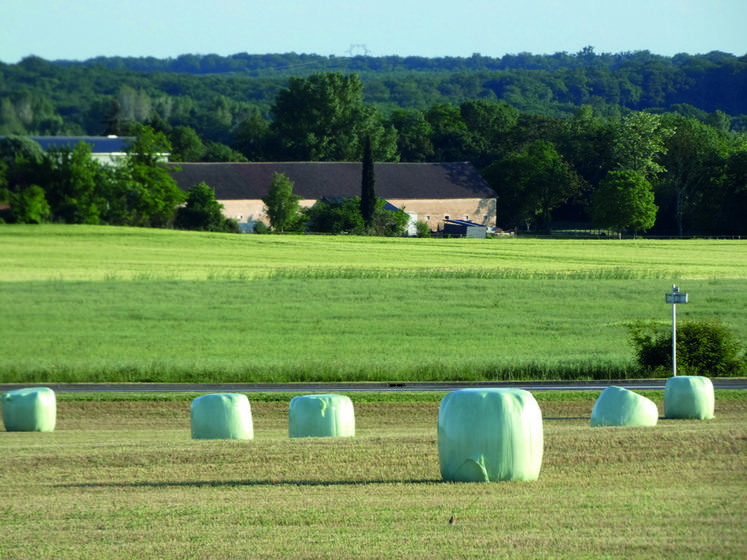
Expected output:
(119, 304)
(121, 478)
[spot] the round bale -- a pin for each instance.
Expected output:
(321, 416)
(33, 409)
(222, 416)
(489, 435)
(689, 396)
(617, 406)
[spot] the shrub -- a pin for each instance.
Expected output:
(422, 229)
(703, 348)
(261, 228)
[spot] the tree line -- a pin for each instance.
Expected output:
(214, 95)
(672, 172)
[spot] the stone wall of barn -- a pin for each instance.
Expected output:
(431, 211)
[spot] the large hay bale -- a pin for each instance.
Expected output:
(689, 396)
(321, 416)
(617, 406)
(33, 409)
(222, 416)
(489, 435)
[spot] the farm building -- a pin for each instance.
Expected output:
(104, 149)
(428, 192)
(464, 228)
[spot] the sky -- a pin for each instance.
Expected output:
(83, 29)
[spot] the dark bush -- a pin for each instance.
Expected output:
(703, 348)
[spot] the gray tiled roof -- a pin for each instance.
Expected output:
(314, 180)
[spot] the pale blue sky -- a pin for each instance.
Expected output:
(81, 29)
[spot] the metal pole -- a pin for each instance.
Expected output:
(674, 336)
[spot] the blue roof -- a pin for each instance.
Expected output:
(466, 223)
(99, 144)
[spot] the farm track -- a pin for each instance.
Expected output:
(639, 384)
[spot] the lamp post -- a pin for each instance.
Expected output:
(674, 298)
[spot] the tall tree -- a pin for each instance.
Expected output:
(323, 118)
(186, 144)
(624, 201)
(71, 180)
(695, 161)
(639, 143)
(368, 181)
(282, 206)
(534, 181)
(202, 212)
(150, 192)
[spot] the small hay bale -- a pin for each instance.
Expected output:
(689, 396)
(489, 435)
(617, 406)
(222, 416)
(321, 416)
(33, 409)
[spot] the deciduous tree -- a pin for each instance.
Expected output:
(323, 118)
(624, 201)
(281, 205)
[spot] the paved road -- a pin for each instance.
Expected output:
(638, 384)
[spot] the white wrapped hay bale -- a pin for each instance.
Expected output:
(617, 406)
(689, 396)
(489, 435)
(222, 416)
(33, 409)
(321, 416)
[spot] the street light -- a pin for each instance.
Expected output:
(674, 298)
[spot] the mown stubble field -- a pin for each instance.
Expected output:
(123, 479)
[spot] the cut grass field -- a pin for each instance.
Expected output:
(119, 304)
(121, 478)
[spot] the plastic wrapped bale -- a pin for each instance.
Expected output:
(321, 416)
(222, 416)
(617, 406)
(489, 435)
(30, 410)
(689, 396)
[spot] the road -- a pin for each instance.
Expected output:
(633, 385)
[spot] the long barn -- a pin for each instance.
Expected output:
(429, 192)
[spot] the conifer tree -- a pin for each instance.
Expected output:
(368, 193)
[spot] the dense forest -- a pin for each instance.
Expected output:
(205, 92)
(591, 126)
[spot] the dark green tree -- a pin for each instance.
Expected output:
(336, 215)
(368, 181)
(531, 183)
(451, 138)
(695, 162)
(281, 205)
(71, 181)
(217, 152)
(186, 144)
(624, 201)
(149, 192)
(202, 212)
(413, 135)
(27, 206)
(323, 118)
(251, 137)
